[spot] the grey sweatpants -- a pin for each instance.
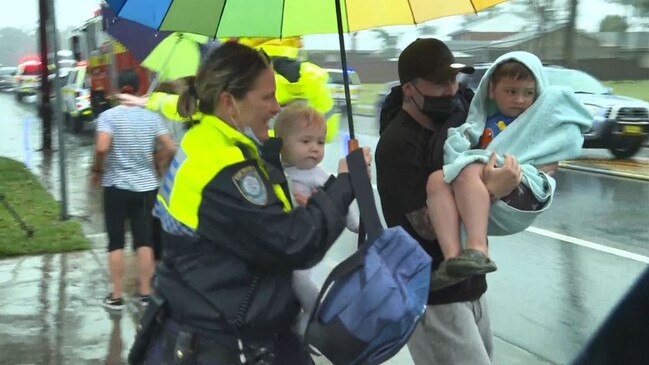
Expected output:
(457, 333)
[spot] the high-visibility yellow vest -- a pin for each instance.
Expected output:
(206, 149)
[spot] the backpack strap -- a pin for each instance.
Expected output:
(363, 191)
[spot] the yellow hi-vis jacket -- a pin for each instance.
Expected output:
(311, 86)
(206, 149)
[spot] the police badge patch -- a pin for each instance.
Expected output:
(250, 185)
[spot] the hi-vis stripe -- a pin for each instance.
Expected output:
(170, 176)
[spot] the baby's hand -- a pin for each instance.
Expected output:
(301, 199)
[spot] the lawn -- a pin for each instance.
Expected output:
(21, 190)
(637, 88)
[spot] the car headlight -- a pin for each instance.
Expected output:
(594, 110)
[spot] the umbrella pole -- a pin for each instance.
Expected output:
(353, 143)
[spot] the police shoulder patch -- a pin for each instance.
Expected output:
(251, 185)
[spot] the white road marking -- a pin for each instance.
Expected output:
(591, 245)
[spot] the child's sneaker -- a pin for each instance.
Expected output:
(441, 278)
(470, 262)
(113, 304)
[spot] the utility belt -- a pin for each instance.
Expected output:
(163, 340)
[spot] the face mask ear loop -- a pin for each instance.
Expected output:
(234, 122)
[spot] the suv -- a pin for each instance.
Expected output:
(7, 78)
(76, 98)
(337, 86)
(620, 123)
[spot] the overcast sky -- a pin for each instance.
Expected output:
(24, 14)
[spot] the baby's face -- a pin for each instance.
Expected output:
(513, 96)
(304, 147)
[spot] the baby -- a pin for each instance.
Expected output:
(302, 130)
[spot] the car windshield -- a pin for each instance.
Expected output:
(580, 82)
(337, 78)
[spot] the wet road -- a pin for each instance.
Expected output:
(556, 282)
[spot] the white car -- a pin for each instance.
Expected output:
(336, 85)
(76, 104)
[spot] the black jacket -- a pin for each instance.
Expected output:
(241, 265)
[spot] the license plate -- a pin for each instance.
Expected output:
(632, 129)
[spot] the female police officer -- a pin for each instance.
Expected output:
(231, 237)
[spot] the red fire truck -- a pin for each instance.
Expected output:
(106, 58)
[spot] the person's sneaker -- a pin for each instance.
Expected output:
(470, 262)
(441, 278)
(113, 304)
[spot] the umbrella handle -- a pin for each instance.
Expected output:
(352, 144)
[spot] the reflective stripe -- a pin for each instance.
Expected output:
(170, 176)
(169, 223)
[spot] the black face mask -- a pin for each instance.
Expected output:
(438, 108)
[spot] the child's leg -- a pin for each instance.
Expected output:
(473, 204)
(443, 214)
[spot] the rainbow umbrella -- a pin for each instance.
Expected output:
(285, 18)
(171, 55)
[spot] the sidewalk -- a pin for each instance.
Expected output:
(51, 313)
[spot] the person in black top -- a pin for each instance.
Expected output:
(414, 121)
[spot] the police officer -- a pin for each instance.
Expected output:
(231, 238)
(297, 79)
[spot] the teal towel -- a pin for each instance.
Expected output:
(550, 130)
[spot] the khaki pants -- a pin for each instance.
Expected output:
(457, 333)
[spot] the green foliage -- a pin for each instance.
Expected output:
(613, 23)
(638, 89)
(23, 192)
(15, 44)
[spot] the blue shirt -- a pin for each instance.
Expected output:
(494, 125)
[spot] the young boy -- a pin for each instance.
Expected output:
(302, 130)
(514, 113)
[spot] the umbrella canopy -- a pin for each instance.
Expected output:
(171, 55)
(284, 18)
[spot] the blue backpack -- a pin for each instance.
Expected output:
(370, 303)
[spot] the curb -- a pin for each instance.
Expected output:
(603, 172)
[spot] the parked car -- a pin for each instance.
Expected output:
(76, 104)
(336, 85)
(7, 78)
(620, 123)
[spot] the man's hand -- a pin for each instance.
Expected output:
(501, 181)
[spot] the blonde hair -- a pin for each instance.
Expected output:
(289, 118)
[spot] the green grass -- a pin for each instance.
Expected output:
(636, 89)
(23, 192)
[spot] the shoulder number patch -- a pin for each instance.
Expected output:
(251, 185)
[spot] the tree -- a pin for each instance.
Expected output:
(613, 23)
(389, 41)
(426, 30)
(641, 6)
(16, 43)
